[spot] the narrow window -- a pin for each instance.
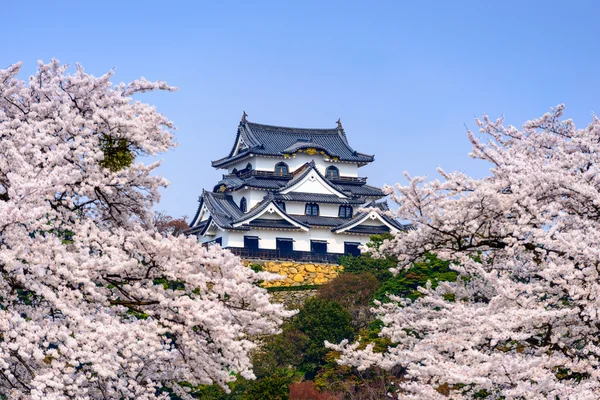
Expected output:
(280, 204)
(332, 173)
(312, 209)
(251, 242)
(281, 169)
(318, 246)
(345, 212)
(243, 205)
(351, 249)
(285, 246)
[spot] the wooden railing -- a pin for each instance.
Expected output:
(276, 254)
(266, 174)
(271, 174)
(349, 179)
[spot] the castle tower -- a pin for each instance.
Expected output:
(291, 194)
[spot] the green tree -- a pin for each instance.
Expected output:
(321, 320)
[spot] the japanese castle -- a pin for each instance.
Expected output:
(291, 193)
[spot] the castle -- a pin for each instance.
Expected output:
(291, 194)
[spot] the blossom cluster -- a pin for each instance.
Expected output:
(93, 303)
(522, 320)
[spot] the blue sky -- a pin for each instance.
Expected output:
(404, 77)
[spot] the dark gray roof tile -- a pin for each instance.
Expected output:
(278, 140)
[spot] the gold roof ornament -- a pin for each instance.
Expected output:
(339, 123)
(244, 120)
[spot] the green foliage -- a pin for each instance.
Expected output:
(350, 290)
(273, 386)
(256, 268)
(281, 351)
(354, 293)
(340, 310)
(169, 284)
(378, 267)
(405, 284)
(117, 154)
(321, 320)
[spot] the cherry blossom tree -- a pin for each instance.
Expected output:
(164, 224)
(92, 304)
(522, 320)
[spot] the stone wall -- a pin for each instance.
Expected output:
(298, 274)
(292, 299)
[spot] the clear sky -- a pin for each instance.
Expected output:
(404, 77)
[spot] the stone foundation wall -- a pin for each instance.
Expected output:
(298, 274)
(292, 299)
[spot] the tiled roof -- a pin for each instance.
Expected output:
(222, 209)
(198, 228)
(383, 207)
(361, 190)
(304, 170)
(234, 183)
(368, 230)
(318, 198)
(314, 220)
(355, 189)
(225, 213)
(260, 207)
(277, 140)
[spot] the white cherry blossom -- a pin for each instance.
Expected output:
(92, 304)
(522, 320)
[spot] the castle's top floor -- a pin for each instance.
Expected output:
(258, 140)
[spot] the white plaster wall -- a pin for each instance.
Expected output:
(301, 239)
(224, 235)
(291, 207)
(268, 164)
(253, 197)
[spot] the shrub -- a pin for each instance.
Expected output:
(353, 292)
(320, 320)
(378, 267)
(405, 284)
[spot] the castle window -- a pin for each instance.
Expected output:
(243, 205)
(312, 209)
(234, 171)
(249, 167)
(332, 173)
(351, 249)
(251, 242)
(280, 204)
(318, 246)
(285, 246)
(345, 212)
(281, 169)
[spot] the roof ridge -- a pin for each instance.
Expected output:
(288, 128)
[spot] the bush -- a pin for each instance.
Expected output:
(281, 351)
(353, 292)
(320, 320)
(272, 387)
(405, 284)
(378, 267)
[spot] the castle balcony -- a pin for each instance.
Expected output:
(285, 255)
(263, 174)
(271, 174)
(349, 179)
